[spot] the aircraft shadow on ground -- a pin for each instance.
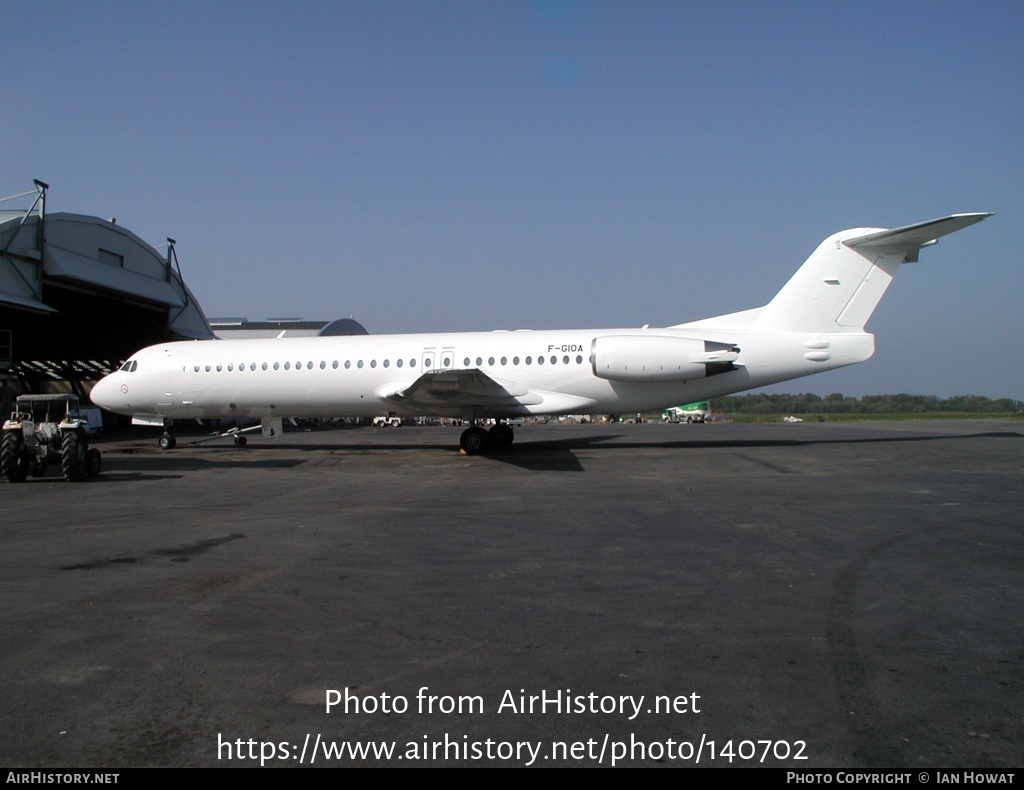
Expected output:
(552, 455)
(558, 454)
(794, 442)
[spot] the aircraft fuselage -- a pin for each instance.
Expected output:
(544, 372)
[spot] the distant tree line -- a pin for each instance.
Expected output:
(807, 403)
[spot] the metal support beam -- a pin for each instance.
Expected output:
(31, 254)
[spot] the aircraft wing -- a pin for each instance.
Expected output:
(444, 389)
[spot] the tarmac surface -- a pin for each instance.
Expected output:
(846, 593)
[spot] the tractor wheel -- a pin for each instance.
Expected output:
(72, 457)
(93, 461)
(12, 459)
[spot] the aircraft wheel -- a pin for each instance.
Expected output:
(93, 462)
(72, 457)
(12, 460)
(501, 435)
(167, 442)
(241, 441)
(474, 441)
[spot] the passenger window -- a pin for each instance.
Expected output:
(479, 362)
(554, 360)
(490, 361)
(386, 363)
(515, 360)
(196, 368)
(348, 364)
(287, 365)
(465, 362)
(540, 360)
(373, 363)
(359, 364)
(231, 367)
(565, 359)
(504, 361)
(334, 364)
(399, 362)
(579, 360)
(529, 360)
(323, 365)
(412, 363)
(219, 368)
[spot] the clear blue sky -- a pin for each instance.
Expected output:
(429, 166)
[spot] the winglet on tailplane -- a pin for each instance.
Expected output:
(839, 286)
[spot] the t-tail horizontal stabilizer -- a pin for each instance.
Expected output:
(911, 238)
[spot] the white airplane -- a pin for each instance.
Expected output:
(815, 323)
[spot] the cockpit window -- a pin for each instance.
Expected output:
(129, 367)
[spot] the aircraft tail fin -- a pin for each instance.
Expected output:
(839, 286)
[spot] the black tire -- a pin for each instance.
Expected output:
(167, 442)
(72, 457)
(241, 441)
(501, 435)
(93, 462)
(473, 441)
(12, 458)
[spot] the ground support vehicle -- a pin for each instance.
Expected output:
(44, 430)
(688, 412)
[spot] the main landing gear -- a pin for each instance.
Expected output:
(476, 440)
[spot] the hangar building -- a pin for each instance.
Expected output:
(244, 329)
(78, 294)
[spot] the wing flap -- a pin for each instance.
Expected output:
(469, 388)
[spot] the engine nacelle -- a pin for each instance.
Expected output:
(659, 358)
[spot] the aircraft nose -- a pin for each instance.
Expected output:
(107, 394)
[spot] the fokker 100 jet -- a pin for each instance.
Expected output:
(815, 323)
